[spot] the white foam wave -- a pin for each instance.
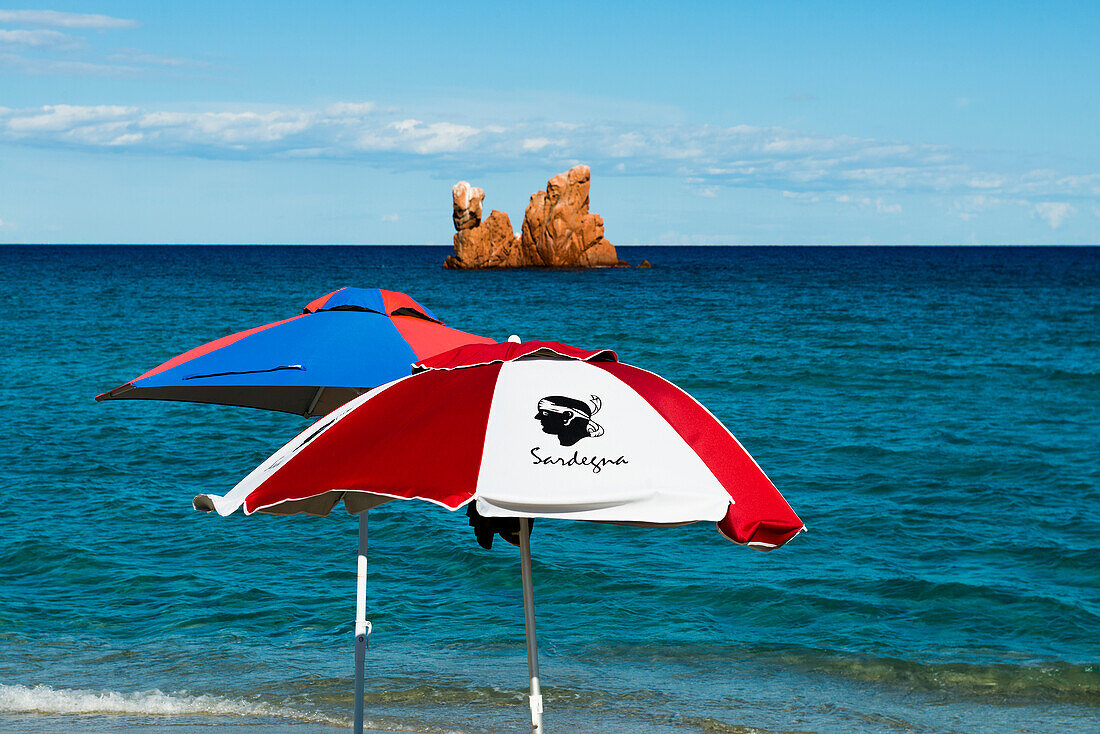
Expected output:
(46, 700)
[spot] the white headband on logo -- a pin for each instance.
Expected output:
(594, 429)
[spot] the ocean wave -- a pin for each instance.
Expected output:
(41, 699)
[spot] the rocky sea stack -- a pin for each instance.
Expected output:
(558, 230)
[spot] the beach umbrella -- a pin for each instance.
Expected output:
(524, 430)
(340, 345)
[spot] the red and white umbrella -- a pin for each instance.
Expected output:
(535, 429)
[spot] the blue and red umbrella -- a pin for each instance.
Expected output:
(342, 344)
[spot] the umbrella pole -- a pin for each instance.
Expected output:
(529, 623)
(362, 626)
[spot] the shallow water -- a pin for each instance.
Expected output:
(931, 413)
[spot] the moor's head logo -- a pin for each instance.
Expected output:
(568, 418)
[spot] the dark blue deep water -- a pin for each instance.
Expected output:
(933, 414)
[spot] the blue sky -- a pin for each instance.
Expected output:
(704, 123)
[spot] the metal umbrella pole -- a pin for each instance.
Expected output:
(362, 626)
(529, 623)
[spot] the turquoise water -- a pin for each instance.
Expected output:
(933, 414)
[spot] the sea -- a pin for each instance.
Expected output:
(932, 414)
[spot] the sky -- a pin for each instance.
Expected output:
(704, 123)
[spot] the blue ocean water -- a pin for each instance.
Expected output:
(933, 414)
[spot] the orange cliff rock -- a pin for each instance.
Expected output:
(558, 230)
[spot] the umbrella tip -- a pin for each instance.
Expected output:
(203, 503)
(514, 339)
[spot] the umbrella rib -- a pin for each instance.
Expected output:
(247, 372)
(313, 403)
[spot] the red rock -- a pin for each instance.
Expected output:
(600, 255)
(491, 244)
(558, 230)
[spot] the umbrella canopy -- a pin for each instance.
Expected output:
(342, 344)
(538, 429)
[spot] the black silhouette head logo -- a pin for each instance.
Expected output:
(568, 418)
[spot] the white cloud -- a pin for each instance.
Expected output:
(1088, 183)
(969, 207)
(404, 126)
(227, 128)
(627, 144)
(800, 144)
(803, 196)
(350, 109)
(878, 204)
(537, 144)
(445, 137)
(391, 217)
(35, 65)
(56, 19)
(137, 56)
(1054, 212)
(437, 137)
(36, 39)
(803, 166)
(66, 118)
(40, 47)
(986, 181)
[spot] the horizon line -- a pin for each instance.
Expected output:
(429, 244)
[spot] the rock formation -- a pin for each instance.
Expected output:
(558, 230)
(491, 244)
(467, 205)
